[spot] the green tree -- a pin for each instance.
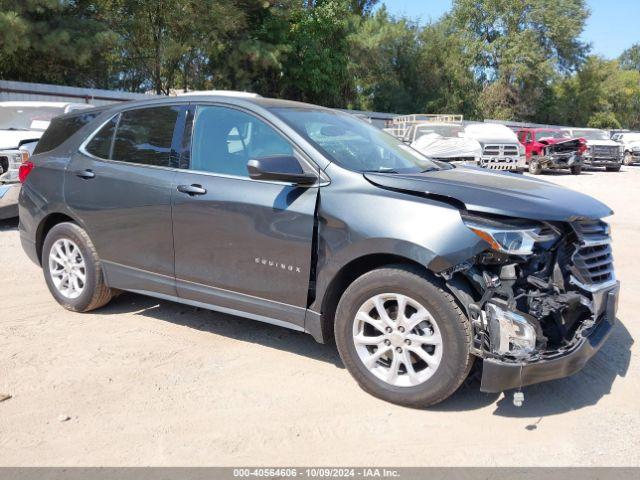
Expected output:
(518, 47)
(49, 41)
(316, 66)
(160, 40)
(599, 93)
(630, 58)
(605, 120)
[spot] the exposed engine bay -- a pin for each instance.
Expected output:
(538, 291)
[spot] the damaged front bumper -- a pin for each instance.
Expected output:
(9, 200)
(503, 374)
(560, 161)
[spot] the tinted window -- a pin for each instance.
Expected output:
(224, 140)
(100, 144)
(62, 128)
(144, 136)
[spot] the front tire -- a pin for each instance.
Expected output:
(72, 269)
(576, 169)
(403, 337)
(614, 169)
(535, 167)
(628, 159)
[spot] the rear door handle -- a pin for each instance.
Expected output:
(86, 174)
(192, 189)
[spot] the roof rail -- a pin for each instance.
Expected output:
(218, 93)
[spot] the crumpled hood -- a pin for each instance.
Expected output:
(497, 193)
(11, 138)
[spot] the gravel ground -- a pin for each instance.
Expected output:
(143, 382)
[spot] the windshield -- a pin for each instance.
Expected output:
(442, 130)
(630, 137)
(27, 118)
(354, 144)
(591, 134)
(551, 134)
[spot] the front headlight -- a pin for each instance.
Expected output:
(506, 238)
(510, 332)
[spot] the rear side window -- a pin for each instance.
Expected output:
(100, 144)
(144, 136)
(62, 128)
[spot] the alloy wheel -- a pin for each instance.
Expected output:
(67, 268)
(397, 339)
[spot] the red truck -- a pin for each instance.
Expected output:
(552, 149)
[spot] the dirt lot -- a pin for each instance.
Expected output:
(156, 383)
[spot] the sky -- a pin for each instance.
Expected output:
(612, 27)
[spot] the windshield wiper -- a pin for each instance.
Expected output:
(382, 170)
(15, 129)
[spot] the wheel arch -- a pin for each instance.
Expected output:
(45, 226)
(347, 274)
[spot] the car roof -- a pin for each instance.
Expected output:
(240, 100)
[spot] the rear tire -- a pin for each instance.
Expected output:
(72, 269)
(628, 158)
(426, 373)
(576, 170)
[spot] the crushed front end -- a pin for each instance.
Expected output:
(542, 298)
(562, 155)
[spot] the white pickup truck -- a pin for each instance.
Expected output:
(630, 142)
(21, 126)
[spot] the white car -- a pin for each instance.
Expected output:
(443, 141)
(21, 126)
(630, 142)
(501, 149)
(601, 150)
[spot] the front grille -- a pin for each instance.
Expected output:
(604, 150)
(592, 260)
(500, 150)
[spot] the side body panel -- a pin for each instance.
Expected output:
(126, 210)
(381, 221)
(244, 244)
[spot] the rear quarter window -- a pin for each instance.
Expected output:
(60, 129)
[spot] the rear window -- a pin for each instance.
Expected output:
(62, 128)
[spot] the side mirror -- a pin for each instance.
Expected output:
(281, 168)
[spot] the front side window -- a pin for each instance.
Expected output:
(354, 144)
(225, 139)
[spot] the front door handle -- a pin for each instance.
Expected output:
(192, 189)
(86, 174)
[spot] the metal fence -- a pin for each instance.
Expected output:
(40, 92)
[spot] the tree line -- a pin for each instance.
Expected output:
(505, 59)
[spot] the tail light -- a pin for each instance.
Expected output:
(25, 167)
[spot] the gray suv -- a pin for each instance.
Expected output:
(311, 219)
